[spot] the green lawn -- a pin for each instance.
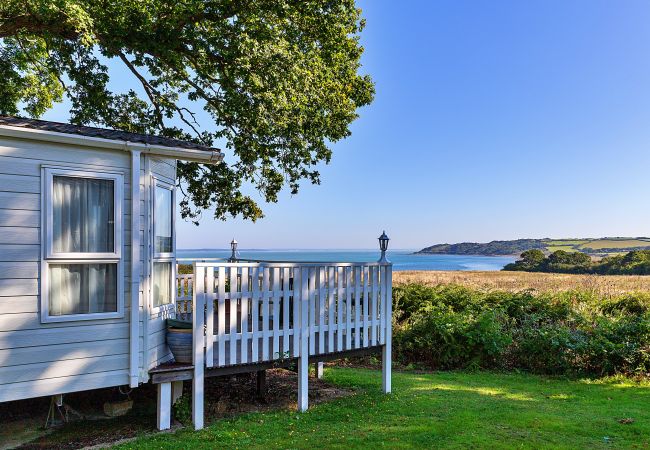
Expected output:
(442, 410)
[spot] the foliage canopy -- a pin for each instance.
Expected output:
(278, 81)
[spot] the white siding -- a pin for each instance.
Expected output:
(44, 359)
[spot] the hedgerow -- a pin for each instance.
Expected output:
(564, 333)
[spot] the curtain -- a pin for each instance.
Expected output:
(162, 273)
(82, 288)
(83, 215)
(163, 220)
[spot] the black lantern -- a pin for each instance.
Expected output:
(383, 246)
(233, 247)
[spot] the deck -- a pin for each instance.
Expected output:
(249, 317)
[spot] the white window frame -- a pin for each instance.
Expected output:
(48, 256)
(163, 257)
(118, 182)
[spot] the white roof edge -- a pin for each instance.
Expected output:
(186, 154)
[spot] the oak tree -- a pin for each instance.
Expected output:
(277, 80)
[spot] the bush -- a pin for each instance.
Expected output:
(569, 333)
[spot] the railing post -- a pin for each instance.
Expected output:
(386, 354)
(198, 341)
(303, 359)
(386, 271)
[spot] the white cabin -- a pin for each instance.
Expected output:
(77, 206)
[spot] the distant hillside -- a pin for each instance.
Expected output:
(596, 247)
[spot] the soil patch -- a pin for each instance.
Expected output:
(225, 397)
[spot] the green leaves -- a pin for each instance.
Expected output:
(277, 81)
(563, 333)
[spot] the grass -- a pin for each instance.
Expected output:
(442, 410)
(568, 242)
(566, 248)
(605, 285)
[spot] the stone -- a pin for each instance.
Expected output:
(117, 409)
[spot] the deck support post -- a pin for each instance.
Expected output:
(303, 383)
(261, 383)
(303, 359)
(386, 368)
(198, 342)
(319, 370)
(164, 406)
(177, 391)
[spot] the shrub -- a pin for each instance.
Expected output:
(569, 333)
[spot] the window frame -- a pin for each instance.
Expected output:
(118, 182)
(163, 257)
(48, 256)
(157, 183)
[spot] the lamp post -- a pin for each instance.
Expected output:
(233, 247)
(383, 246)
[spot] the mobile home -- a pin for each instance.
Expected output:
(87, 276)
(86, 255)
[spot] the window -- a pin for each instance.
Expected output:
(162, 275)
(163, 244)
(163, 220)
(82, 245)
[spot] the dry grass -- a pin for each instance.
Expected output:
(606, 285)
(616, 243)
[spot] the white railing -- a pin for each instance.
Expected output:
(184, 294)
(255, 312)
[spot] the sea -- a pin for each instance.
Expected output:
(401, 259)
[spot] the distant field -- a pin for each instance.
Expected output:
(615, 243)
(569, 242)
(518, 281)
(566, 248)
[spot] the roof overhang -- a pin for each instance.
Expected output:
(184, 154)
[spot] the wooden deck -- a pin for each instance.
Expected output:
(170, 372)
(248, 317)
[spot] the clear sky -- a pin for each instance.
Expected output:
(492, 120)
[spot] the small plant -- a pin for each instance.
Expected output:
(183, 409)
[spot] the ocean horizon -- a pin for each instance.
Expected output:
(402, 259)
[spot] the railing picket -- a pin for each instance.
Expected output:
(221, 317)
(209, 325)
(365, 295)
(244, 315)
(255, 313)
(265, 314)
(276, 313)
(313, 275)
(348, 307)
(297, 305)
(339, 309)
(322, 294)
(285, 311)
(233, 315)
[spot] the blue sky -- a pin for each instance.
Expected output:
(492, 120)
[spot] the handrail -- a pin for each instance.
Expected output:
(201, 259)
(292, 264)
